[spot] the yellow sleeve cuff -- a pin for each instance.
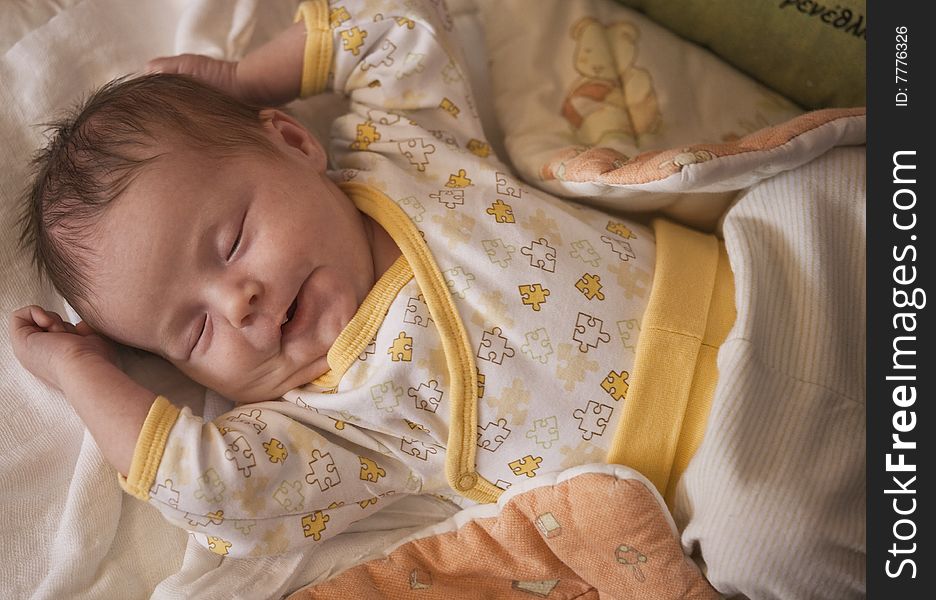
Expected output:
(317, 58)
(149, 449)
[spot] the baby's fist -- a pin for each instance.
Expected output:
(46, 344)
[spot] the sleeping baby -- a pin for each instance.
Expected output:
(398, 315)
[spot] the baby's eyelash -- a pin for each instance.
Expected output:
(237, 241)
(234, 246)
(202, 332)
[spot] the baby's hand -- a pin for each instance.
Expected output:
(271, 75)
(221, 74)
(46, 345)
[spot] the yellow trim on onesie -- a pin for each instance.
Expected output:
(148, 452)
(366, 321)
(689, 313)
(317, 57)
(460, 453)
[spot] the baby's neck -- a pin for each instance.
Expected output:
(384, 250)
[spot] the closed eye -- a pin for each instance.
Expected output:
(237, 241)
(201, 333)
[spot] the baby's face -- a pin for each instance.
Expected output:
(241, 271)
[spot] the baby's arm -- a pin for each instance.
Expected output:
(268, 76)
(82, 364)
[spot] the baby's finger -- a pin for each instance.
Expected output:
(163, 64)
(82, 328)
(22, 323)
(57, 325)
(41, 316)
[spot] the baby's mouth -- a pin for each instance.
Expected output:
(290, 312)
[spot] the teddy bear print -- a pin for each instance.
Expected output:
(612, 96)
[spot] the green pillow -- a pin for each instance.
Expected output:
(811, 51)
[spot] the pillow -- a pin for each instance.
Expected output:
(809, 51)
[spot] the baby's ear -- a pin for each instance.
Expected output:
(288, 133)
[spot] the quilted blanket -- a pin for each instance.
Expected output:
(598, 531)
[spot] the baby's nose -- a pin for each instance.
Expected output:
(239, 302)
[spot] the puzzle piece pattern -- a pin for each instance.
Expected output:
(413, 208)
(337, 16)
(492, 435)
(479, 148)
(251, 418)
(632, 280)
(450, 198)
(382, 57)
(541, 254)
(369, 350)
(386, 395)
(506, 186)
(501, 211)
(527, 465)
(616, 384)
(629, 330)
(166, 492)
(211, 518)
(544, 432)
(533, 295)
(498, 252)
(370, 470)
(416, 426)
(494, 347)
(289, 496)
(401, 349)
(239, 451)
(275, 451)
(352, 39)
(458, 281)
(416, 448)
(405, 22)
(449, 107)
(593, 419)
(621, 229)
(210, 490)
(589, 333)
(458, 180)
(323, 471)
(314, 524)
(449, 140)
(218, 545)
(590, 286)
(451, 73)
(366, 135)
(622, 249)
(427, 396)
(413, 63)
(417, 312)
(417, 152)
(584, 251)
(538, 346)
(480, 383)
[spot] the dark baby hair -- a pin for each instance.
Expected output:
(96, 151)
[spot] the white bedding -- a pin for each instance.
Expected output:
(67, 528)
